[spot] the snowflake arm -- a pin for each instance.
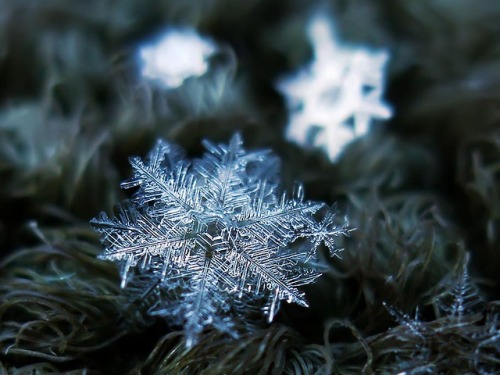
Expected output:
(279, 221)
(170, 185)
(134, 238)
(223, 172)
(326, 231)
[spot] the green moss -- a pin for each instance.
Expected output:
(422, 190)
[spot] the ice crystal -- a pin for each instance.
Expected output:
(217, 233)
(176, 56)
(337, 96)
(465, 333)
(462, 298)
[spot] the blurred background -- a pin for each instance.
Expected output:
(85, 85)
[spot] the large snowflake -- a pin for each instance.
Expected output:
(336, 97)
(216, 234)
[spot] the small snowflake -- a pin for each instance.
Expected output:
(216, 234)
(176, 56)
(336, 97)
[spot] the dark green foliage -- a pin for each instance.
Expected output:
(422, 190)
(277, 350)
(55, 159)
(398, 254)
(55, 296)
(478, 178)
(463, 335)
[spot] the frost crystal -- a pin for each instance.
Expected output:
(178, 55)
(336, 97)
(216, 234)
(464, 334)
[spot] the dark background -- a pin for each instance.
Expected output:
(422, 189)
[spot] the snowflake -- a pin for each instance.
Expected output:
(336, 97)
(176, 56)
(216, 234)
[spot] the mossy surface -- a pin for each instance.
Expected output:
(422, 189)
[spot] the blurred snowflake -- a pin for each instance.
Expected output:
(175, 56)
(335, 98)
(215, 236)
